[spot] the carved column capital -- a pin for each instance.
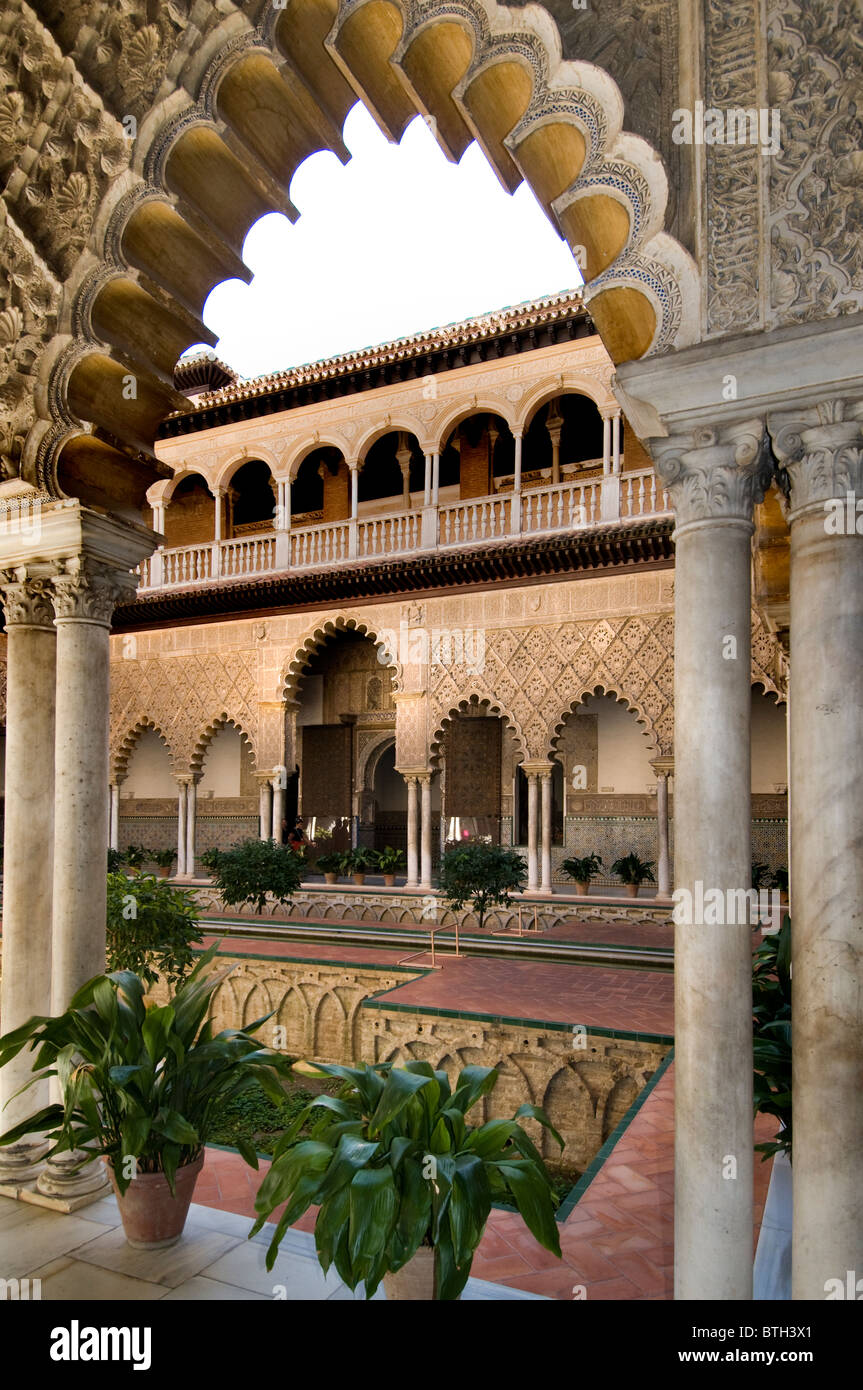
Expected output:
(88, 592)
(820, 451)
(26, 597)
(715, 473)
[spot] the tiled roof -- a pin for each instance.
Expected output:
(532, 313)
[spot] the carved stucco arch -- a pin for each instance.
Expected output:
(442, 718)
(223, 474)
(370, 755)
(464, 410)
(581, 383)
(297, 453)
(209, 732)
(402, 422)
(123, 748)
(319, 635)
(602, 691)
(514, 93)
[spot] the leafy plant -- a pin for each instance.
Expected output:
(393, 1165)
(481, 874)
(771, 1013)
(330, 863)
(254, 870)
(779, 879)
(360, 860)
(631, 869)
(141, 1083)
(760, 875)
(582, 870)
(390, 860)
(152, 928)
(136, 856)
(116, 861)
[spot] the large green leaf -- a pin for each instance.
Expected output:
(472, 1083)
(350, 1157)
(373, 1210)
(533, 1201)
(399, 1088)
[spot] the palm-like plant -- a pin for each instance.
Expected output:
(141, 1083)
(393, 1166)
(771, 1013)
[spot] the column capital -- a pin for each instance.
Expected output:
(820, 451)
(88, 592)
(663, 767)
(715, 473)
(537, 769)
(27, 596)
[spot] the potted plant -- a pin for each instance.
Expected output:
(359, 862)
(582, 870)
(403, 1183)
(330, 866)
(761, 877)
(483, 875)
(142, 1089)
(779, 880)
(135, 857)
(116, 861)
(771, 1014)
(253, 871)
(633, 872)
(152, 928)
(390, 862)
(164, 861)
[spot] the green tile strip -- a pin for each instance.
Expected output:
(574, 1197)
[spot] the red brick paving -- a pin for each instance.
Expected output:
(549, 991)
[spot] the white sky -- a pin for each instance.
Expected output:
(397, 241)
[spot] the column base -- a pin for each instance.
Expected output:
(21, 1165)
(63, 1186)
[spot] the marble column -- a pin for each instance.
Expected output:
(435, 478)
(606, 445)
(29, 820)
(265, 808)
(278, 805)
(425, 831)
(532, 835)
(663, 767)
(85, 594)
(114, 827)
(822, 451)
(546, 787)
(191, 825)
(615, 443)
(182, 801)
(427, 481)
(554, 425)
(714, 477)
(403, 458)
(515, 518)
(413, 848)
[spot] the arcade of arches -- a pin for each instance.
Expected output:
(723, 303)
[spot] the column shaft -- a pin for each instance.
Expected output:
(546, 832)
(278, 809)
(663, 868)
(532, 817)
(426, 834)
(114, 833)
(413, 857)
(266, 810)
(28, 835)
(181, 828)
(191, 826)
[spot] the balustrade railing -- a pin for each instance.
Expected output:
(563, 507)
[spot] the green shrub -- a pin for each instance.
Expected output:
(136, 856)
(116, 861)
(152, 928)
(631, 869)
(330, 863)
(255, 869)
(480, 874)
(390, 860)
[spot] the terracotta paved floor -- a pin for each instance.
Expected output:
(553, 992)
(310, 950)
(616, 1244)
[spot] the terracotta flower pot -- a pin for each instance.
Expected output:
(415, 1280)
(632, 889)
(152, 1218)
(331, 878)
(359, 880)
(163, 873)
(583, 888)
(389, 880)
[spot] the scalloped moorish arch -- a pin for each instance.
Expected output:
(252, 99)
(205, 738)
(123, 750)
(318, 636)
(490, 706)
(621, 698)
